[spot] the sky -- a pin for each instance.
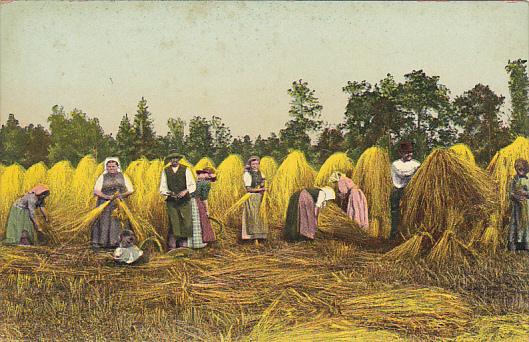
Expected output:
(236, 60)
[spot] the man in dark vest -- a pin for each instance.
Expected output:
(177, 183)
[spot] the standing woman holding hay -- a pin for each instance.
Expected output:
(22, 224)
(253, 225)
(109, 186)
(519, 228)
(303, 210)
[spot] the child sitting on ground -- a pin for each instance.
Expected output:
(127, 252)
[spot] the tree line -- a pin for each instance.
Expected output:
(419, 109)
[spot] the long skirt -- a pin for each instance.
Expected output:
(195, 241)
(106, 228)
(519, 224)
(17, 222)
(301, 222)
(208, 235)
(253, 226)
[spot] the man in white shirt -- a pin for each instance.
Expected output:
(402, 170)
(177, 183)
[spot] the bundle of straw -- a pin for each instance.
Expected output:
(444, 199)
(372, 174)
(203, 163)
(84, 178)
(36, 174)
(464, 152)
(136, 172)
(501, 169)
(333, 222)
(293, 174)
(11, 183)
(339, 161)
(229, 187)
(59, 179)
(268, 167)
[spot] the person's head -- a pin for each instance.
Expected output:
(112, 166)
(127, 238)
(521, 166)
(406, 150)
(202, 174)
(253, 163)
(41, 191)
(174, 158)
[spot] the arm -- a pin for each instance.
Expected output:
(128, 185)
(44, 214)
(32, 205)
(98, 187)
(164, 189)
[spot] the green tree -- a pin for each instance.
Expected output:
(39, 140)
(145, 143)
(429, 103)
(222, 139)
(125, 140)
(199, 142)
(243, 146)
(176, 134)
(519, 89)
(74, 135)
(13, 140)
(482, 129)
(331, 140)
(305, 112)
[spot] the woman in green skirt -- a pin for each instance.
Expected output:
(22, 225)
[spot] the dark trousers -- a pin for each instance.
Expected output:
(396, 195)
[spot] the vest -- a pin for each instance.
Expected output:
(111, 184)
(176, 182)
(257, 178)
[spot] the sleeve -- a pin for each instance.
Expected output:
(164, 189)
(99, 184)
(118, 252)
(190, 181)
(128, 183)
(321, 199)
(247, 179)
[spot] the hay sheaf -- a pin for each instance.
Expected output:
(203, 163)
(464, 152)
(293, 174)
(339, 161)
(11, 183)
(36, 174)
(372, 174)
(268, 167)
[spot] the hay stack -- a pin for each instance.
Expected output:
(268, 167)
(293, 174)
(11, 183)
(464, 152)
(339, 161)
(36, 174)
(203, 163)
(136, 172)
(154, 207)
(501, 170)
(372, 174)
(443, 201)
(59, 179)
(84, 178)
(229, 187)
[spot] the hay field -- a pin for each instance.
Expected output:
(344, 286)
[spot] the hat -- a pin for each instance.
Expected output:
(173, 155)
(405, 147)
(39, 189)
(335, 176)
(329, 193)
(111, 159)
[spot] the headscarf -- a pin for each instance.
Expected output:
(115, 159)
(335, 176)
(248, 165)
(329, 193)
(39, 189)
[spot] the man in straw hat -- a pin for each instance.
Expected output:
(177, 183)
(402, 170)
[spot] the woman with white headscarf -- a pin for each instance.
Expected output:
(109, 186)
(302, 212)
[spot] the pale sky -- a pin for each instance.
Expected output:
(236, 60)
